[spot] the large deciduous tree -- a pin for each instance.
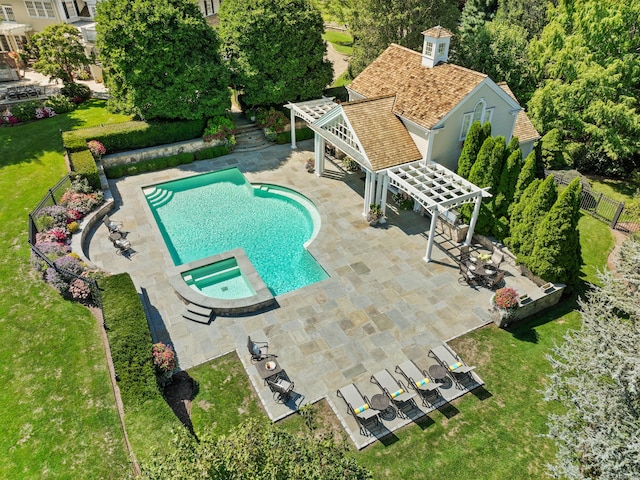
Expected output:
(376, 24)
(596, 378)
(275, 50)
(256, 450)
(58, 52)
(588, 67)
(161, 59)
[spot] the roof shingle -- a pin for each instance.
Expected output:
(523, 129)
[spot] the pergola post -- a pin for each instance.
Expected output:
(474, 219)
(378, 199)
(367, 193)
(385, 187)
(318, 147)
(432, 232)
(292, 114)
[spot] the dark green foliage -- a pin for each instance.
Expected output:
(472, 143)
(553, 150)
(129, 339)
(220, 127)
(59, 51)
(514, 145)
(506, 190)
(375, 25)
(76, 91)
(26, 111)
(481, 174)
(556, 255)
(301, 134)
(496, 162)
(525, 177)
(275, 50)
(151, 165)
(118, 137)
(162, 59)
(259, 450)
(528, 14)
(212, 152)
(523, 229)
(60, 104)
(84, 165)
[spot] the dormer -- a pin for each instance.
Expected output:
(435, 48)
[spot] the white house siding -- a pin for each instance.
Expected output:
(418, 135)
(447, 145)
(526, 148)
(353, 96)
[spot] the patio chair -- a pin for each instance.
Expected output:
(496, 259)
(258, 350)
(111, 225)
(465, 253)
(452, 362)
(467, 276)
(122, 245)
(419, 381)
(281, 387)
(358, 406)
(394, 389)
(493, 282)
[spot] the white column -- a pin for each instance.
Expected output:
(378, 188)
(385, 187)
(293, 129)
(474, 219)
(367, 194)
(320, 149)
(432, 233)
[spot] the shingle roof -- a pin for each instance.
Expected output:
(424, 95)
(382, 134)
(437, 32)
(523, 129)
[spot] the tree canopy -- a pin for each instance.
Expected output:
(275, 50)
(161, 59)
(596, 379)
(257, 451)
(375, 25)
(588, 68)
(58, 52)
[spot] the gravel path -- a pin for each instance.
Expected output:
(340, 61)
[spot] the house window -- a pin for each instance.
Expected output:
(441, 47)
(428, 49)
(480, 114)
(4, 44)
(40, 9)
(6, 13)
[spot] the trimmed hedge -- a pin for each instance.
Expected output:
(119, 137)
(161, 163)
(301, 134)
(129, 338)
(83, 165)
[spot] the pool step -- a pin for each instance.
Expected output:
(160, 197)
(197, 313)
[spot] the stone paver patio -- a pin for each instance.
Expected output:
(381, 305)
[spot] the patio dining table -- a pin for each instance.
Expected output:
(481, 269)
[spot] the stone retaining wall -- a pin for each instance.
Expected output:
(134, 156)
(527, 307)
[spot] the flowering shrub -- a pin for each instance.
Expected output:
(271, 118)
(506, 298)
(74, 215)
(56, 280)
(73, 227)
(164, 361)
(12, 120)
(70, 263)
(52, 250)
(59, 103)
(82, 202)
(219, 128)
(57, 234)
(80, 185)
(45, 112)
(53, 216)
(79, 290)
(96, 148)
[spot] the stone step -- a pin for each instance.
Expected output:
(196, 317)
(204, 311)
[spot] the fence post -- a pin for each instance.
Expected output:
(616, 216)
(53, 198)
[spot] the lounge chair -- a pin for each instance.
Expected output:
(258, 350)
(358, 406)
(419, 381)
(281, 387)
(452, 362)
(111, 225)
(394, 389)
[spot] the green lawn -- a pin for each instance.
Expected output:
(341, 41)
(619, 190)
(59, 416)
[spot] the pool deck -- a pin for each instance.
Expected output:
(383, 304)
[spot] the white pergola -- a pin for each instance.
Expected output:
(309, 111)
(437, 189)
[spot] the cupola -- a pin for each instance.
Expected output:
(435, 48)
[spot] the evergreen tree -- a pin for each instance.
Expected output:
(523, 230)
(472, 143)
(525, 177)
(161, 59)
(596, 380)
(514, 145)
(496, 163)
(480, 174)
(505, 192)
(556, 253)
(275, 50)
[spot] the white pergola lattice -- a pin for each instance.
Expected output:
(309, 111)
(437, 189)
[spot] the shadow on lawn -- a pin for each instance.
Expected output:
(526, 332)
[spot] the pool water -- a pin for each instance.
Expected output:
(222, 279)
(215, 212)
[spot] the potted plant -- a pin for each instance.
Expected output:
(375, 214)
(310, 165)
(505, 300)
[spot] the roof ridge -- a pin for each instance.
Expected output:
(370, 99)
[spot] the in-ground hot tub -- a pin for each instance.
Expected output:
(222, 279)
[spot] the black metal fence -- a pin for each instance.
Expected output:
(52, 198)
(603, 208)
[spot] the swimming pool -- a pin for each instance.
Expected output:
(215, 212)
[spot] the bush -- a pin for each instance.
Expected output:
(271, 118)
(73, 227)
(118, 137)
(83, 203)
(164, 362)
(84, 165)
(60, 103)
(506, 298)
(52, 216)
(219, 128)
(212, 152)
(129, 338)
(301, 134)
(76, 92)
(96, 148)
(26, 111)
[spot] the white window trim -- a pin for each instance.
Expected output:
(467, 119)
(441, 48)
(43, 4)
(7, 13)
(428, 49)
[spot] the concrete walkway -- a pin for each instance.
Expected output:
(381, 305)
